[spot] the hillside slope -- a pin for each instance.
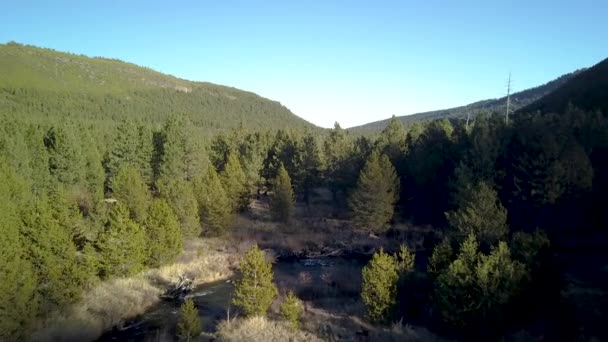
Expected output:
(518, 100)
(587, 90)
(44, 83)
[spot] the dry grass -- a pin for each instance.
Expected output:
(112, 302)
(260, 329)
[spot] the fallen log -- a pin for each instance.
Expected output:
(180, 290)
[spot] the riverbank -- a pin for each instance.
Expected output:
(111, 303)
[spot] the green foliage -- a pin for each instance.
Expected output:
(480, 213)
(337, 148)
(65, 157)
(373, 201)
(282, 203)
(406, 259)
(476, 287)
(526, 247)
(164, 237)
(234, 183)
(50, 249)
(310, 165)
(292, 309)
(214, 205)
(254, 290)
(180, 196)
(189, 324)
(122, 244)
(130, 189)
(440, 259)
(18, 295)
(132, 146)
(379, 292)
(42, 83)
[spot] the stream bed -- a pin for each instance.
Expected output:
(331, 283)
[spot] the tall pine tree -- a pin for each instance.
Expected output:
(122, 244)
(214, 205)
(372, 203)
(164, 236)
(282, 203)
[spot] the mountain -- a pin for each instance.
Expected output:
(518, 100)
(586, 90)
(43, 83)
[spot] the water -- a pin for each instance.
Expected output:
(328, 283)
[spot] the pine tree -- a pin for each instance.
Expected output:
(66, 163)
(282, 202)
(440, 259)
(214, 206)
(50, 248)
(254, 290)
(337, 148)
(180, 196)
(372, 203)
(475, 287)
(122, 244)
(189, 325)
(480, 213)
(291, 309)
(310, 165)
(163, 234)
(18, 295)
(130, 146)
(379, 292)
(234, 183)
(130, 189)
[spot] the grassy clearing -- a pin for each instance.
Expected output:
(261, 329)
(111, 303)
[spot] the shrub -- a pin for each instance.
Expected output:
(255, 290)
(475, 287)
(440, 259)
(379, 292)
(291, 309)
(189, 324)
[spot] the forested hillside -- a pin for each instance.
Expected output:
(97, 185)
(587, 90)
(518, 100)
(43, 84)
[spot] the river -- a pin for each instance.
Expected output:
(324, 282)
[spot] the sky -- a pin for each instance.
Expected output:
(347, 61)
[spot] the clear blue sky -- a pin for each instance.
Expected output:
(346, 61)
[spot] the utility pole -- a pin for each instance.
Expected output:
(508, 99)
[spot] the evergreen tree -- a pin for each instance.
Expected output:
(392, 141)
(214, 206)
(164, 237)
(310, 165)
(180, 196)
(254, 290)
(65, 157)
(480, 213)
(372, 203)
(379, 292)
(126, 149)
(130, 189)
(291, 309)
(53, 255)
(475, 287)
(189, 325)
(337, 149)
(234, 183)
(440, 259)
(282, 202)
(18, 295)
(122, 244)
